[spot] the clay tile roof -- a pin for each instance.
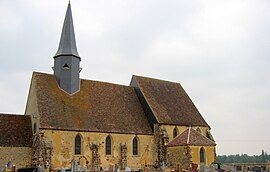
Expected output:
(15, 130)
(98, 106)
(169, 102)
(191, 137)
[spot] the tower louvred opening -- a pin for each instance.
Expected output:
(66, 66)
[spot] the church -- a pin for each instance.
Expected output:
(99, 125)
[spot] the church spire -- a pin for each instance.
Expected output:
(67, 45)
(67, 60)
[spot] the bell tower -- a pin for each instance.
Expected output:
(67, 60)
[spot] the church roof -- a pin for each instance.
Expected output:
(191, 137)
(98, 106)
(67, 45)
(169, 102)
(15, 130)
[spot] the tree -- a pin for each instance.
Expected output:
(244, 158)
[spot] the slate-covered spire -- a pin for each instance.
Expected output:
(67, 60)
(67, 45)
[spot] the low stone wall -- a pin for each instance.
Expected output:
(19, 156)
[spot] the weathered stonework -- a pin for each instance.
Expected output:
(21, 157)
(186, 158)
(63, 149)
(161, 139)
(175, 158)
(123, 149)
(182, 156)
(179, 158)
(95, 157)
(42, 152)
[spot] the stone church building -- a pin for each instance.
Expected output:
(96, 125)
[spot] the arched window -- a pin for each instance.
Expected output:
(108, 147)
(78, 145)
(135, 146)
(175, 132)
(202, 155)
(35, 128)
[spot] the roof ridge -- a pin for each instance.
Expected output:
(42, 73)
(157, 79)
(188, 133)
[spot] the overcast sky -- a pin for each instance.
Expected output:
(218, 50)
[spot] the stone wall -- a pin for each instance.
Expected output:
(210, 154)
(19, 156)
(161, 139)
(32, 106)
(178, 156)
(63, 143)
